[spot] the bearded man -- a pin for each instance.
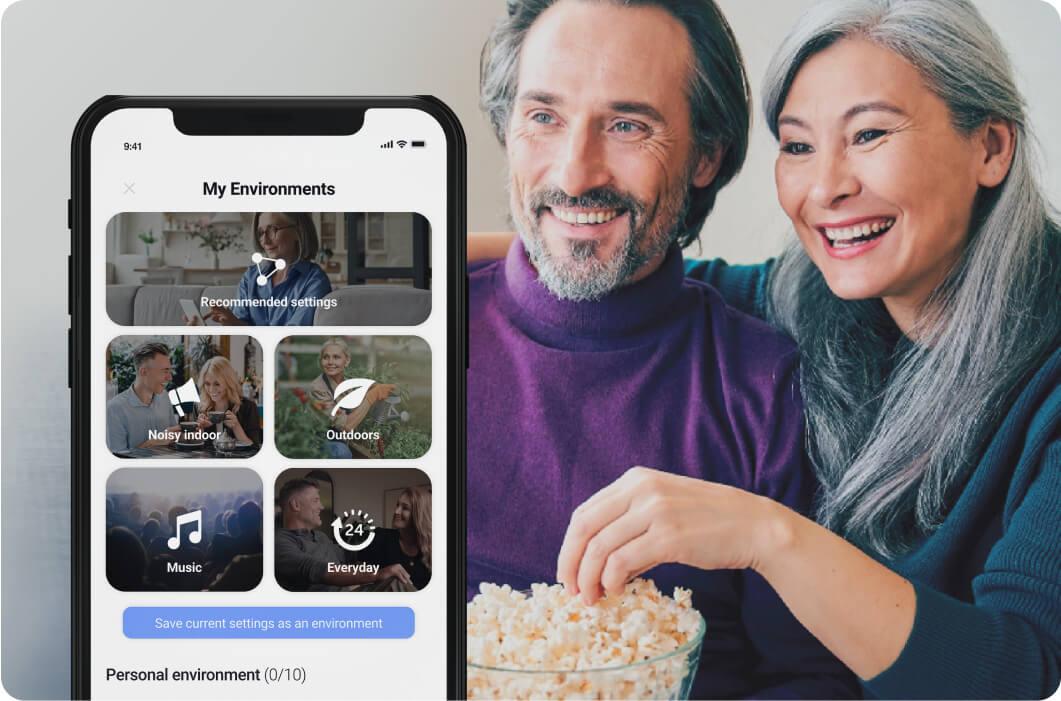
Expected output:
(590, 353)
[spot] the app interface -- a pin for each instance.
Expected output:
(268, 433)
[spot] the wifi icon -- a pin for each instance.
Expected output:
(402, 143)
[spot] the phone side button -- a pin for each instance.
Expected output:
(69, 358)
(70, 214)
(467, 322)
(69, 285)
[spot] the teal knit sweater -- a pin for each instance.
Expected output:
(988, 581)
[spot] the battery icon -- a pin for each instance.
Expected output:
(417, 144)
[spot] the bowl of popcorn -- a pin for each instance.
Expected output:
(547, 644)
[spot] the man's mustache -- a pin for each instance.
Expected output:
(597, 198)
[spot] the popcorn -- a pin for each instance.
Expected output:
(549, 645)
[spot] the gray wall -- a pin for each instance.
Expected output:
(58, 57)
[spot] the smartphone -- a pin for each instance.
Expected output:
(191, 312)
(270, 506)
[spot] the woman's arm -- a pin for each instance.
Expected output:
(249, 422)
(902, 639)
(489, 246)
(317, 286)
(861, 611)
(241, 316)
(377, 392)
(225, 317)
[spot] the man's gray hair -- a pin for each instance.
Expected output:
(896, 428)
(146, 351)
(717, 88)
(292, 488)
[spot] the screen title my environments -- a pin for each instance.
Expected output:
(238, 189)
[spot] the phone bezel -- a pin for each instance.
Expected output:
(80, 352)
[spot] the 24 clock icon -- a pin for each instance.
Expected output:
(355, 535)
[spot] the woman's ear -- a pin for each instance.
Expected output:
(707, 167)
(998, 140)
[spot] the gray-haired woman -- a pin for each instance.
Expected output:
(275, 289)
(925, 296)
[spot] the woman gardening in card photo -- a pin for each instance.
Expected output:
(334, 359)
(288, 244)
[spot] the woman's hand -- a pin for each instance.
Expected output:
(232, 423)
(396, 571)
(223, 316)
(647, 518)
(191, 320)
(858, 608)
(380, 391)
(203, 422)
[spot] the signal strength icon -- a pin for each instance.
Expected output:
(389, 144)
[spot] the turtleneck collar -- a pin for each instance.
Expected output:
(626, 313)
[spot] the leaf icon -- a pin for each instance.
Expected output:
(356, 389)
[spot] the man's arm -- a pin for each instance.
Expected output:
(293, 564)
(117, 431)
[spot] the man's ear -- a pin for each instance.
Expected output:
(998, 140)
(707, 166)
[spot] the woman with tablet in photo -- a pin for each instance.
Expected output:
(287, 244)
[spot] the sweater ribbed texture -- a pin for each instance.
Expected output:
(988, 581)
(564, 397)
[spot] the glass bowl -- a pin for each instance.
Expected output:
(667, 676)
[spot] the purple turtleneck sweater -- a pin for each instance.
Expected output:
(564, 396)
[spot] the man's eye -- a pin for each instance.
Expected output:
(867, 135)
(625, 126)
(796, 148)
(542, 118)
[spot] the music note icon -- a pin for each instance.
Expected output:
(197, 532)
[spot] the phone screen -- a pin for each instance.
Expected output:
(267, 433)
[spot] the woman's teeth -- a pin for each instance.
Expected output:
(573, 217)
(842, 237)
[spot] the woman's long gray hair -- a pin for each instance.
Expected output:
(896, 428)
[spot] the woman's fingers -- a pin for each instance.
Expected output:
(635, 556)
(588, 519)
(600, 549)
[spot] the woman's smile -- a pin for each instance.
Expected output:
(854, 236)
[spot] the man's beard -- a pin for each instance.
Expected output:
(579, 276)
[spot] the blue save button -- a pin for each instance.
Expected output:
(370, 622)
